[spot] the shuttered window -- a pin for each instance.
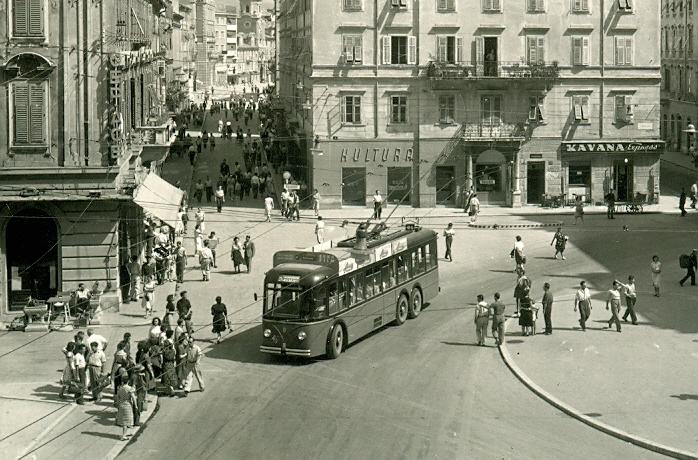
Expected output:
(28, 18)
(535, 50)
(29, 110)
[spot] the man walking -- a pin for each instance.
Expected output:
(613, 303)
(611, 204)
(448, 234)
(482, 317)
(249, 250)
(184, 312)
(582, 301)
(694, 194)
(134, 271)
(96, 363)
(320, 230)
(498, 319)
(547, 308)
(691, 268)
(192, 367)
(377, 205)
(180, 261)
(682, 202)
(268, 206)
(518, 253)
(474, 208)
(206, 261)
(212, 245)
(630, 299)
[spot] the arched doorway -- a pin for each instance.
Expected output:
(490, 176)
(31, 247)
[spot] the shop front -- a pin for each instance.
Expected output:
(348, 172)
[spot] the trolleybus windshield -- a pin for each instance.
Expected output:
(293, 302)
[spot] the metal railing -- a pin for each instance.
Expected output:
(493, 130)
(492, 69)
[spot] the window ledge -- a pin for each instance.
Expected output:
(353, 125)
(401, 124)
(445, 124)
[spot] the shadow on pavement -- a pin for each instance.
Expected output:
(103, 435)
(102, 416)
(50, 392)
(244, 348)
(686, 397)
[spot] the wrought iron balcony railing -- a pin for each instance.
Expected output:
(492, 69)
(493, 130)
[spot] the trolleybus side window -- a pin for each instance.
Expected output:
(351, 290)
(434, 253)
(342, 298)
(427, 256)
(376, 278)
(332, 298)
(388, 275)
(359, 285)
(403, 268)
(418, 261)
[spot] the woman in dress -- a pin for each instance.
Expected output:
(80, 372)
(198, 239)
(143, 359)
(125, 400)
(523, 284)
(220, 318)
(560, 241)
(526, 314)
(69, 369)
(656, 267)
(578, 210)
(168, 320)
(169, 375)
(236, 254)
(155, 331)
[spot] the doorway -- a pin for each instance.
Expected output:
(354, 186)
(445, 185)
(491, 56)
(623, 179)
(400, 185)
(535, 181)
(31, 242)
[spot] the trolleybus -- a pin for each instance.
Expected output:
(317, 303)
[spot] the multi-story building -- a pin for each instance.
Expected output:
(183, 44)
(205, 44)
(679, 93)
(226, 44)
(82, 113)
(517, 99)
(251, 40)
(268, 47)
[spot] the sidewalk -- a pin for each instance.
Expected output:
(679, 159)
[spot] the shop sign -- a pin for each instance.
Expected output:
(384, 154)
(623, 147)
(487, 181)
(116, 119)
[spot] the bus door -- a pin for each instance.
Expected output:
(389, 284)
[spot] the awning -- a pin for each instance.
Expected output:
(160, 198)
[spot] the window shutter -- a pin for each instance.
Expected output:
(21, 14)
(411, 50)
(37, 113)
(585, 51)
(21, 113)
(479, 55)
(585, 5)
(358, 50)
(36, 23)
(531, 5)
(451, 5)
(577, 108)
(540, 5)
(441, 4)
(628, 103)
(585, 108)
(628, 51)
(357, 109)
(386, 50)
(497, 109)
(441, 48)
(459, 50)
(496, 5)
(539, 108)
(620, 108)
(346, 52)
(620, 50)
(577, 5)
(541, 49)
(577, 50)
(532, 50)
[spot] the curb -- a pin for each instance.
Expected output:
(506, 226)
(153, 405)
(574, 413)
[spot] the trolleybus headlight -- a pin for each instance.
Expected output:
(267, 333)
(301, 335)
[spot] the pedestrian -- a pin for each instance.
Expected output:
(526, 318)
(249, 252)
(180, 261)
(220, 318)
(212, 245)
(184, 216)
(192, 367)
(192, 155)
(630, 299)
(316, 202)
(181, 346)
(610, 204)
(613, 304)
(148, 297)
(582, 301)
(474, 208)
(212, 143)
(155, 331)
(523, 284)
(518, 253)
(498, 319)
(482, 317)
(656, 267)
(254, 181)
(101, 342)
(198, 239)
(377, 205)
(168, 319)
(467, 196)
(79, 365)
(139, 381)
(320, 230)
(125, 400)
(547, 302)
(682, 202)
(184, 311)
(96, 363)
(199, 191)
(691, 262)
(578, 209)
(134, 272)
(294, 207)
(694, 194)
(560, 241)
(268, 206)
(69, 374)
(236, 254)
(200, 217)
(220, 198)
(169, 370)
(448, 234)
(206, 260)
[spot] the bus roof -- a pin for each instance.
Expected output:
(343, 258)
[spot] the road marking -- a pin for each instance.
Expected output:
(47, 430)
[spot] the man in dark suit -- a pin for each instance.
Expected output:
(249, 252)
(691, 269)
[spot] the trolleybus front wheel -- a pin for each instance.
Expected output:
(415, 304)
(335, 341)
(401, 310)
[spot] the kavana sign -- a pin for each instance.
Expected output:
(651, 147)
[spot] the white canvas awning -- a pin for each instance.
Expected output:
(160, 198)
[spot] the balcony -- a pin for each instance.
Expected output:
(492, 70)
(493, 131)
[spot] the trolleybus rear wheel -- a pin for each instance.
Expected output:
(335, 341)
(401, 310)
(415, 304)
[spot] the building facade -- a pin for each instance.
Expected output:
(81, 103)
(252, 43)
(226, 44)
(679, 94)
(183, 68)
(205, 44)
(516, 99)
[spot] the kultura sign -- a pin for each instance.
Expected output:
(376, 154)
(614, 147)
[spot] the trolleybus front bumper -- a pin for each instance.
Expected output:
(285, 351)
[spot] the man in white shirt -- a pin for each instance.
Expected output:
(582, 301)
(192, 367)
(474, 207)
(448, 234)
(320, 229)
(613, 304)
(206, 260)
(212, 245)
(96, 363)
(101, 342)
(630, 299)
(200, 218)
(518, 253)
(268, 206)
(377, 205)
(694, 194)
